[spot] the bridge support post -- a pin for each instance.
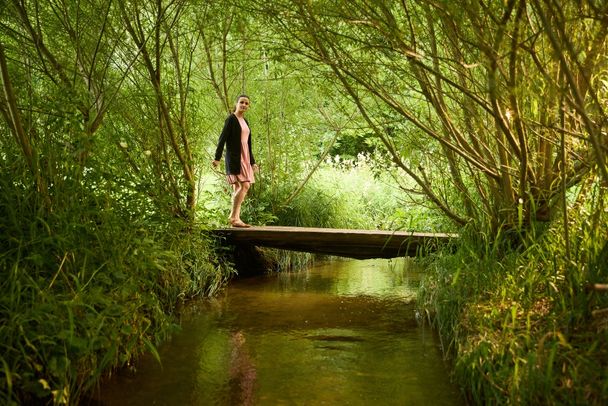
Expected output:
(251, 261)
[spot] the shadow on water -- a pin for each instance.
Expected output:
(340, 333)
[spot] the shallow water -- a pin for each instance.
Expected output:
(340, 333)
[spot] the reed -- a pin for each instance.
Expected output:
(88, 286)
(352, 193)
(520, 323)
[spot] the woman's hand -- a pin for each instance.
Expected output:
(215, 163)
(256, 168)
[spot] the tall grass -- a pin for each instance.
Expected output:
(342, 193)
(87, 286)
(521, 324)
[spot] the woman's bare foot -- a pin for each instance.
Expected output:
(239, 224)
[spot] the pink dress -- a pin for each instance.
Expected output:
(246, 174)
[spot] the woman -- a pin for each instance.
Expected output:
(240, 164)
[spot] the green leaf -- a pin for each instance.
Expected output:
(152, 348)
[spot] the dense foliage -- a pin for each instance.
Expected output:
(493, 108)
(526, 327)
(480, 116)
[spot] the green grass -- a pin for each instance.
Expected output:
(356, 193)
(87, 287)
(520, 324)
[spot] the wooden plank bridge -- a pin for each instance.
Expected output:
(359, 244)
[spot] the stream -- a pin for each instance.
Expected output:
(340, 333)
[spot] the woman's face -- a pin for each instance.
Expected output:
(242, 104)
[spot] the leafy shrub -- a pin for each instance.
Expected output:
(87, 286)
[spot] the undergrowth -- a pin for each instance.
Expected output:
(86, 287)
(352, 193)
(521, 323)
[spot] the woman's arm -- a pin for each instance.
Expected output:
(222, 140)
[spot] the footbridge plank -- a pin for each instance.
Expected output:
(359, 244)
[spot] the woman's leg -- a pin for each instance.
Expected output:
(240, 190)
(236, 187)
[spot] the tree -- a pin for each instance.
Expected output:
(164, 46)
(506, 105)
(58, 57)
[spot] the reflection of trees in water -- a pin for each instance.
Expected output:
(242, 371)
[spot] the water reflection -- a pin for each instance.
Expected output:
(340, 333)
(242, 371)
